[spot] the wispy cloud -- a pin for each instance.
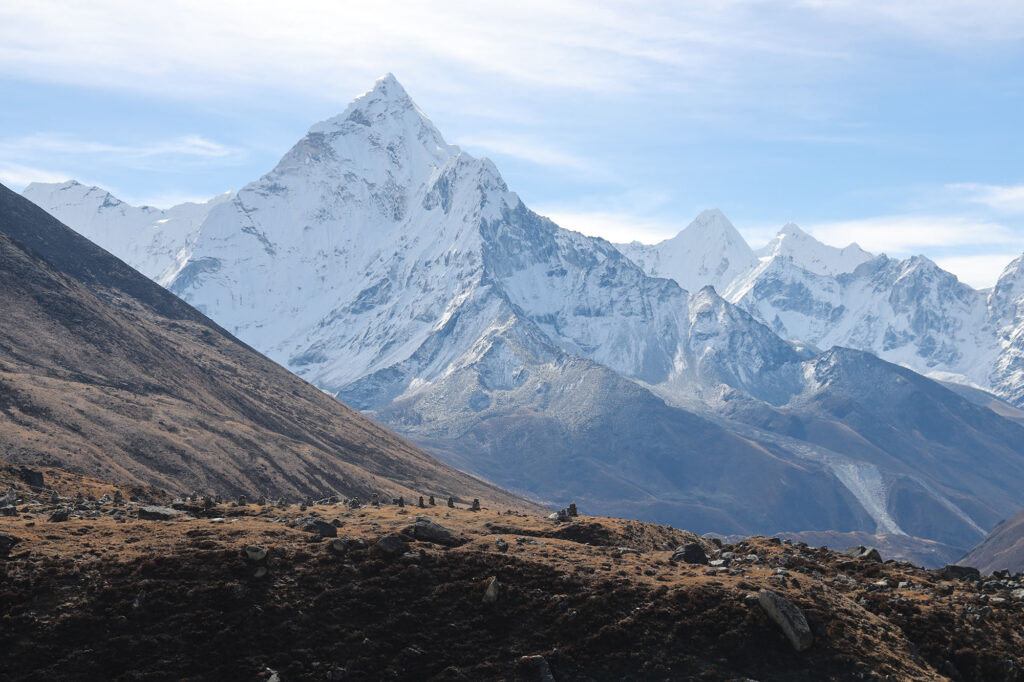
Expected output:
(898, 235)
(194, 146)
(598, 46)
(529, 149)
(619, 228)
(17, 176)
(1003, 198)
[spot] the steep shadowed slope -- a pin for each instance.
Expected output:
(103, 371)
(1002, 549)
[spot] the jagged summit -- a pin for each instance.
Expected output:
(708, 251)
(386, 113)
(808, 253)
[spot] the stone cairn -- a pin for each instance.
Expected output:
(476, 504)
(432, 502)
(451, 502)
(422, 505)
(571, 511)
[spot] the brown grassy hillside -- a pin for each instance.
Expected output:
(106, 373)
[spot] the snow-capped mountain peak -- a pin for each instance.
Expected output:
(386, 113)
(810, 254)
(709, 251)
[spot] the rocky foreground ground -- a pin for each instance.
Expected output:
(98, 582)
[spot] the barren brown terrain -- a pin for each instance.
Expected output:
(106, 373)
(359, 592)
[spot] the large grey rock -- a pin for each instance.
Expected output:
(255, 553)
(59, 515)
(311, 524)
(690, 553)
(540, 666)
(431, 531)
(788, 617)
(961, 572)
(391, 546)
(32, 477)
(158, 513)
(7, 543)
(862, 552)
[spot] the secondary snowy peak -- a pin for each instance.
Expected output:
(709, 251)
(810, 254)
(154, 241)
(1006, 301)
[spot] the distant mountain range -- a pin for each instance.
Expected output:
(693, 382)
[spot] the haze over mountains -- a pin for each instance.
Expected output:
(695, 382)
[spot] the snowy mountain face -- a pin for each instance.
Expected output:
(708, 252)
(909, 312)
(155, 242)
(402, 275)
(809, 254)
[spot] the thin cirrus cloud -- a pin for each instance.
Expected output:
(1002, 198)
(535, 151)
(899, 235)
(187, 146)
(19, 175)
(34, 158)
(598, 46)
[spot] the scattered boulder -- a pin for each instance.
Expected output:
(961, 572)
(539, 666)
(255, 553)
(431, 531)
(157, 513)
(560, 516)
(7, 543)
(338, 547)
(311, 524)
(391, 546)
(503, 546)
(862, 552)
(690, 553)
(31, 477)
(491, 593)
(59, 515)
(788, 617)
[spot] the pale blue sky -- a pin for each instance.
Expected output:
(894, 124)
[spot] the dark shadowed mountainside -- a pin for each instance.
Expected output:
(1003, 549)
(104, 372)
